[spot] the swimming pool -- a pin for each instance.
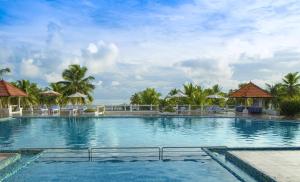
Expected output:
(125, 171)
(78, 133)
(146, 131)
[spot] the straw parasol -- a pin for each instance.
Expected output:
(50, 93)
(179, 95)
(215, 96)
(77, 95)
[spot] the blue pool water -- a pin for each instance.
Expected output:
(120, 132)
(138, 131)
(208, 171)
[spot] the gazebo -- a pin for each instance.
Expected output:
(254, 92)
(8, 90)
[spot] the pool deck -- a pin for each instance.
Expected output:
(281, 166)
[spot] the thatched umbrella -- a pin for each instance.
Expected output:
(77, 95)
(50, 93)
(215, 96)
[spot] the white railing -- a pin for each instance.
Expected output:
(169, 108)
(131, 108)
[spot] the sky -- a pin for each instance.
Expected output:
(130, 45)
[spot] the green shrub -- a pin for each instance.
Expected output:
(290, 107)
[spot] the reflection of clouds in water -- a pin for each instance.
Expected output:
(266, 131)
(166, 131)
(184, 125)
(106, 135)
(79, 131)
(113, 136)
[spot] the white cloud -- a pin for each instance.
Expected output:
(98, 83)
(205, 42)
(206, 71)
(115, 83)
(53, 77)
(29, 68)
(92, 48)
(100, 57)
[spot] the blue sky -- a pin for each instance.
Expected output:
(134, 44)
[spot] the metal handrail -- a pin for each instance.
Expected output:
(154, 153)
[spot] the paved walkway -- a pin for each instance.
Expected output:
(283, 166)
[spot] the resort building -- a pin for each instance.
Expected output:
(251, 98)
(8, 91)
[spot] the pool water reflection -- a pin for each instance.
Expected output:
(146, 131)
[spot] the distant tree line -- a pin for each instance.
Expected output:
(286, 95)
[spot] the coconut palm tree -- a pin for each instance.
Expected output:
(199, 95)
(276, 91)
(136, 99)
(188, 89)
(291, 84)
(31, 89)
(173, 92)
(3, 72)
(75, 80)
(58, 87)
(216, 89)
(150, 96)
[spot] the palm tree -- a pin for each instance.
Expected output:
(135, 99)
(276, 91)
(75, 80)
(31, 89)
(173, 92)
(216, 89)
(199, 95)
(150, 96)
(188, 89)
(291, 84)
(58, 87)
(3, 72)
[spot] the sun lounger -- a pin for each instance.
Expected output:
(81, 109)
(43, 109)
(55, 109)
(71, 109)
(214, 109)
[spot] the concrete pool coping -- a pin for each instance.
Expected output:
(267, 164)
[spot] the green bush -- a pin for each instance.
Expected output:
(290, 107)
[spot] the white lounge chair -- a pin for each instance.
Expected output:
(214, 109)
(55, 109)
(71, 109)
(44, 109)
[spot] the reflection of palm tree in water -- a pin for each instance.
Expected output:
(250, 128)
(79, 131)
(287, 130)
(174, 123)
(8, 129)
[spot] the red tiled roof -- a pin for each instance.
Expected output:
(8, 90)
(250, 90)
